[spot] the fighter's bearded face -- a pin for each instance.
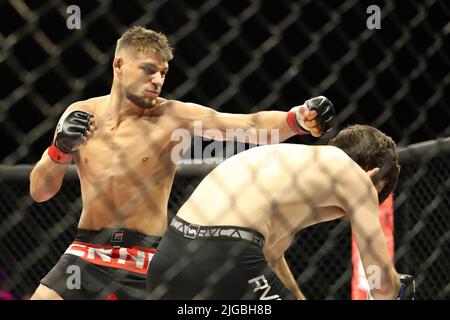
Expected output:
(142, 77)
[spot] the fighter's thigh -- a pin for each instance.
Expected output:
(45, 293)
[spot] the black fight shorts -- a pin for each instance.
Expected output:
(195, 262)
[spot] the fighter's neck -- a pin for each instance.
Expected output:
(119, 108)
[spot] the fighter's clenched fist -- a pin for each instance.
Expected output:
(72, 131)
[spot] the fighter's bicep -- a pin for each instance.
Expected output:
(209, 122)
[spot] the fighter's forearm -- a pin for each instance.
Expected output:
(46, 178)
(275, 124)
(315, 117)
(281, 269)
(265, 127)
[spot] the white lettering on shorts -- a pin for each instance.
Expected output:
(262, 284)
(131, 259)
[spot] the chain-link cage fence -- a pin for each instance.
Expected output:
(237, 57)
(422, 218)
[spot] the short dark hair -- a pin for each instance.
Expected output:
(144, 40)
(371, 148)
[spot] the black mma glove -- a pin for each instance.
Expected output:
(325, 115)
(69, 134)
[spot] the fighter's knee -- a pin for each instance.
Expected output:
(45, 293)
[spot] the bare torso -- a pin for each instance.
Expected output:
(125, 170)
(275, 189)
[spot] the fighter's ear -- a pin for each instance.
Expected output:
(373, 171)
(117, 65)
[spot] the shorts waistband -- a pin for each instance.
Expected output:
(117, 237)
(195, 231)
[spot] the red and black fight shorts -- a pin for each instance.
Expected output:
(109, 264)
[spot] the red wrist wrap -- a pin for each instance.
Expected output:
(58, 156)
(292, 122)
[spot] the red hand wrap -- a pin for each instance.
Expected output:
(292, 122)
(58, 156)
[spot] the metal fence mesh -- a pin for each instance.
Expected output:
(239, 57)
(422, 223)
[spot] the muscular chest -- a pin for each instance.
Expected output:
(137, 144)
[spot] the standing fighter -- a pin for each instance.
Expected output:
(121, 144)
(228, 240)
